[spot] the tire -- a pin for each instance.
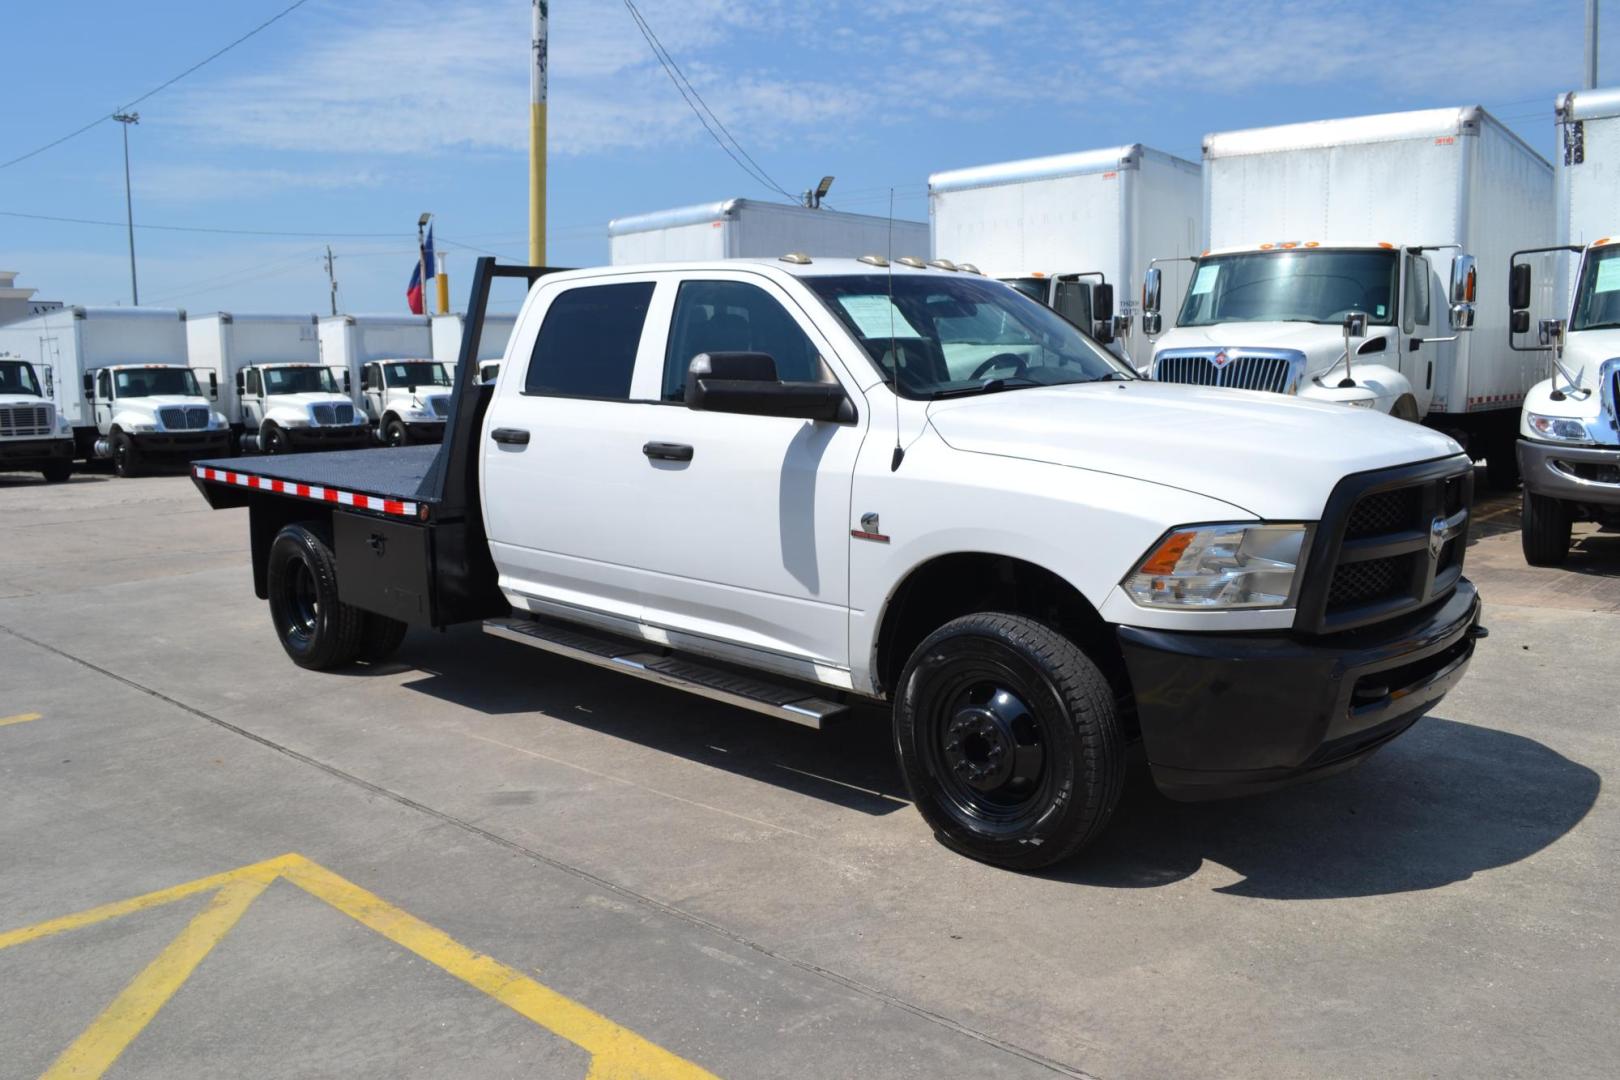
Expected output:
(1008, 737)
(317, 630)
(57, 472)
(272, 440)
(126, 458)
(395, 433)
(380, 637)
(1502, 463)
(1545, 531)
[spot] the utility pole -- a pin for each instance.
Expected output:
(126, 119)
(537, 137)
(331, 277)
(1591, 44)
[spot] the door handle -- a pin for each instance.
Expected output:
(668, 451)
(510, 436)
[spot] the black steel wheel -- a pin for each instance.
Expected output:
(1009, 740)
(395, 433)
(126, 459)
(274, 440)
(315, 628)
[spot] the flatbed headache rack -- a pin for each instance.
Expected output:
(405, 522)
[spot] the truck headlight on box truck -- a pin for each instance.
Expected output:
(1559, 428)
(1219, 567)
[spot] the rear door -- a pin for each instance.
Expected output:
(563, 469)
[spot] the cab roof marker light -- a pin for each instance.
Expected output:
(1290, 244)
(969, 268)
(873, 260)
(942, 264)
(911, 261)
(797, 258)
(1386, 245)
(1267, 247)
(1313, 243)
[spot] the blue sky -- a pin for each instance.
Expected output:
(352, 116)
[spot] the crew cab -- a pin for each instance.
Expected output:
(32, 435)
(796, 484)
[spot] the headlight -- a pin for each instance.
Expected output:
(1221, 566)
(64, 426)
(1361, 402)
(140, 425)
(217, 420)
(1562, 428)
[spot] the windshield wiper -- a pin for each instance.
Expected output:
(1597, 326)
(989, 386)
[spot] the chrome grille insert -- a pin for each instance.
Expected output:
(1276, 371)
(183, 417)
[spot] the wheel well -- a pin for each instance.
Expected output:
(950, 586)
(1406, 408)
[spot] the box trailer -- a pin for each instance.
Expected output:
(393, 378)
(749, 229)
(264, 372)
(447, 332)
(1055, 227)
(1323, 271)
(1567, 297)
(110, 374)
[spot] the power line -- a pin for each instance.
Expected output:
(688, 93)
(206, 229)
(210, 58)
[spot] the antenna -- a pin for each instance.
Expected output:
(894, 352)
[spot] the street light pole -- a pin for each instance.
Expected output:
(126, 119)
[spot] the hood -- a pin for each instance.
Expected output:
(1586, 350)
(1276, 457)
(1322, 344)
(303, 401)
(160, 401)
(23, 399)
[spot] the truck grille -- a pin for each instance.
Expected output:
(1391, 542)
(183, 417)
(440, 404)
(333, 415)
(1273, 370)
(26, 421)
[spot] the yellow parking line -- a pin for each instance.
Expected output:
(99, 1045)
(20, 718)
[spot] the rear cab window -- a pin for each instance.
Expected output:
(588, 341)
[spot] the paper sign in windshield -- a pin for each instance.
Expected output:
(1608, 276)
(873, 315)
(1205, 281)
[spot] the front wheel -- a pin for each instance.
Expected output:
(126, 459)
(315, 628)
(57, 471)
(395, 433)
(1008, 738)
(1545, 530)
(274, 440)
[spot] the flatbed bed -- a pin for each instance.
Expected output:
(397, 481)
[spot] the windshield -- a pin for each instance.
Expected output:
(155, 382)
(17, 377)
(1032, 287)
(299, 380)
(1597, 297)
(415, 373)
(954, 334)
(1317, 285)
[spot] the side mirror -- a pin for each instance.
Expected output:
(90, 386)
(347, 383)
(1520, 322)
(241, 382)
(1551, 332)
(1152, 283)
(1519, 287)
(1464, 278)
(1102, 312)
(746, 382)
(1355, 324)
(213, 386)
(1152, 323)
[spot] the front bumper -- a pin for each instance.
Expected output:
(181, 445)
(425, 430)
(333, 437)
(1581, 474)
(1233, 714)
(33, 453)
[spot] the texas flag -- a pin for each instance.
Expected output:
(415, 295)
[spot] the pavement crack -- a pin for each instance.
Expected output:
(852, 984)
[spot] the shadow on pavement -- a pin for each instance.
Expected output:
(1443, 802)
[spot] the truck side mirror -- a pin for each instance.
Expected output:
(746, 382)
(347, 383)
(1551, 332)
(90, 386)
(241, 382)
(213, 386)
(1152, 283)
(1519, 288)
(1355, 324)
(1464, 278)
(1102, 312)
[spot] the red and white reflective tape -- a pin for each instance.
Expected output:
(306, 491)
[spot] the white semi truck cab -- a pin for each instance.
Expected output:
(288, 407)
(407, 400)
(33, 436)
(149, 414)
(1343, 322)
(1569, 433)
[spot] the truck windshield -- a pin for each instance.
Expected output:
(299, 380)
(1032, 287)
(1597, 297)
(415, 373)
(17, 377)
(154, 382)
(1318, 285)
(953, 334)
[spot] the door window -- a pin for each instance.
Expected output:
(734, 316)
(104, 382)
(254, 384)
(587, 345)
(368, 377)
(1417, 293)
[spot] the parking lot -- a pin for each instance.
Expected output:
(479, 860)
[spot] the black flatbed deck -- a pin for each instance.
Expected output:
(398, 480)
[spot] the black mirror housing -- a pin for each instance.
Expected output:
(1519, 292)
(90, 386)
(1102, 303)
(1521, 321)
(746, 382)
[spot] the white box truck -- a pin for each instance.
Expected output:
(403, 392)
(1328, 249)
(1057, 227)
(122, 382)
(33, 438)
(1569, 445)
(264, 372)
(750, 229)
(447, 332)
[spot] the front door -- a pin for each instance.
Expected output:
(748, 540)
(371, 397)
(104, 401)
(1418, 356)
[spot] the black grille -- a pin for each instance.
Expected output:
(328, 415)
(1391, 542)
(439, 404)
(183, 418)
(20, 421)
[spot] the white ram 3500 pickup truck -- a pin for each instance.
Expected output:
(793, 484)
